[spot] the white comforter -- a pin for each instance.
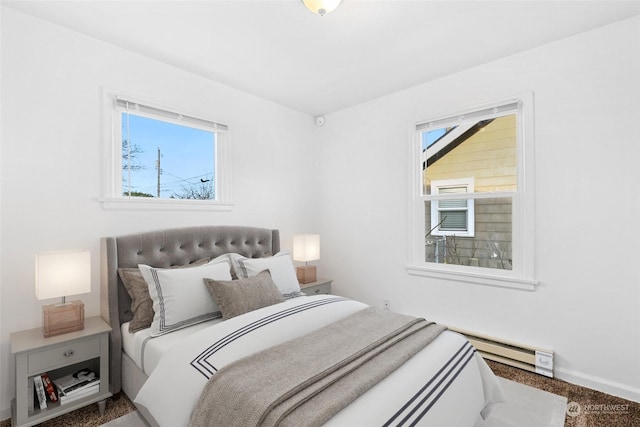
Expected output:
(446, 384)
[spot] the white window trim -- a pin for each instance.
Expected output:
(471, 221)
(524, 273)
(112, 162)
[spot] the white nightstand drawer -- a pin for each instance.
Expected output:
(322, 288)
(63, 355)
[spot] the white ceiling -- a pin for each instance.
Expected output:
(280, 51)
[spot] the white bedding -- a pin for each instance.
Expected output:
(458, 383)
(146, 350)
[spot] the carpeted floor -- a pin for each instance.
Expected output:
(89, 416)
(591, 408)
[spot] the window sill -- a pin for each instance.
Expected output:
(474, 277)
(143, 203)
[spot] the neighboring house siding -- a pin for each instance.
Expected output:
(491, 246)
(489, 157)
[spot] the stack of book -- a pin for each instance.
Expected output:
(77, 386)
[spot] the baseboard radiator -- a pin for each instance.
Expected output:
(521, 356)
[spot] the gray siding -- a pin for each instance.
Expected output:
(491, 245)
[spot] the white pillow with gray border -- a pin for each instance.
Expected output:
(179, 297)
(280, 266)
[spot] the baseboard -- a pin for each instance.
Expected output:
(610, 387)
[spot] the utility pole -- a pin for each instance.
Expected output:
(159, 171)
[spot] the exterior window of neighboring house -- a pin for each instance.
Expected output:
(160, 156)
(472, 203)
(453, 216)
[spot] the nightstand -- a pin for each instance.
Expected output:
(58, 356)
(320, 286)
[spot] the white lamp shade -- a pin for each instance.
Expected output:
(322, 7)
(306, 247)
(63, 273)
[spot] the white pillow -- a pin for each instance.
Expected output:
(180, 297)
(280, 266)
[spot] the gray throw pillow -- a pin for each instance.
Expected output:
(237, 297)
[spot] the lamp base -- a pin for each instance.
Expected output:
(306, 274)
(62, 318)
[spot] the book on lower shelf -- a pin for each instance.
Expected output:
(49, 388)
(40, 392)
(77, 385)
(64, 398)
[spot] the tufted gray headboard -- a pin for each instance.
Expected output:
(166, 248)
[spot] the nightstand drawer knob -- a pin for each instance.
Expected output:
(68, 353)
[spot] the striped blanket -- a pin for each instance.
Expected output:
(307, 380)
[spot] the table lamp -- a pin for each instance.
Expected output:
(59, 274)
(306, 247)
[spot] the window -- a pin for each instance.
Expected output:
(453, 216)
(162, 157)
(472, 202)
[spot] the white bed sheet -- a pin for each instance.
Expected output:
(146, 350)
(458, 384)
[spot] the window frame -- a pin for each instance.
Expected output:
(524, 273)
(113, 197)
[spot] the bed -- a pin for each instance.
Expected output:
(165, 367)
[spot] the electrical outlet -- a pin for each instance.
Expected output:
(386, 304)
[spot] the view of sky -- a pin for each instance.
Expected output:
(431, 136)
(186, 155)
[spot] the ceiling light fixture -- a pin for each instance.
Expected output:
(322, 7)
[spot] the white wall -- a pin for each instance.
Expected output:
(51, 147)
(587, 118)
